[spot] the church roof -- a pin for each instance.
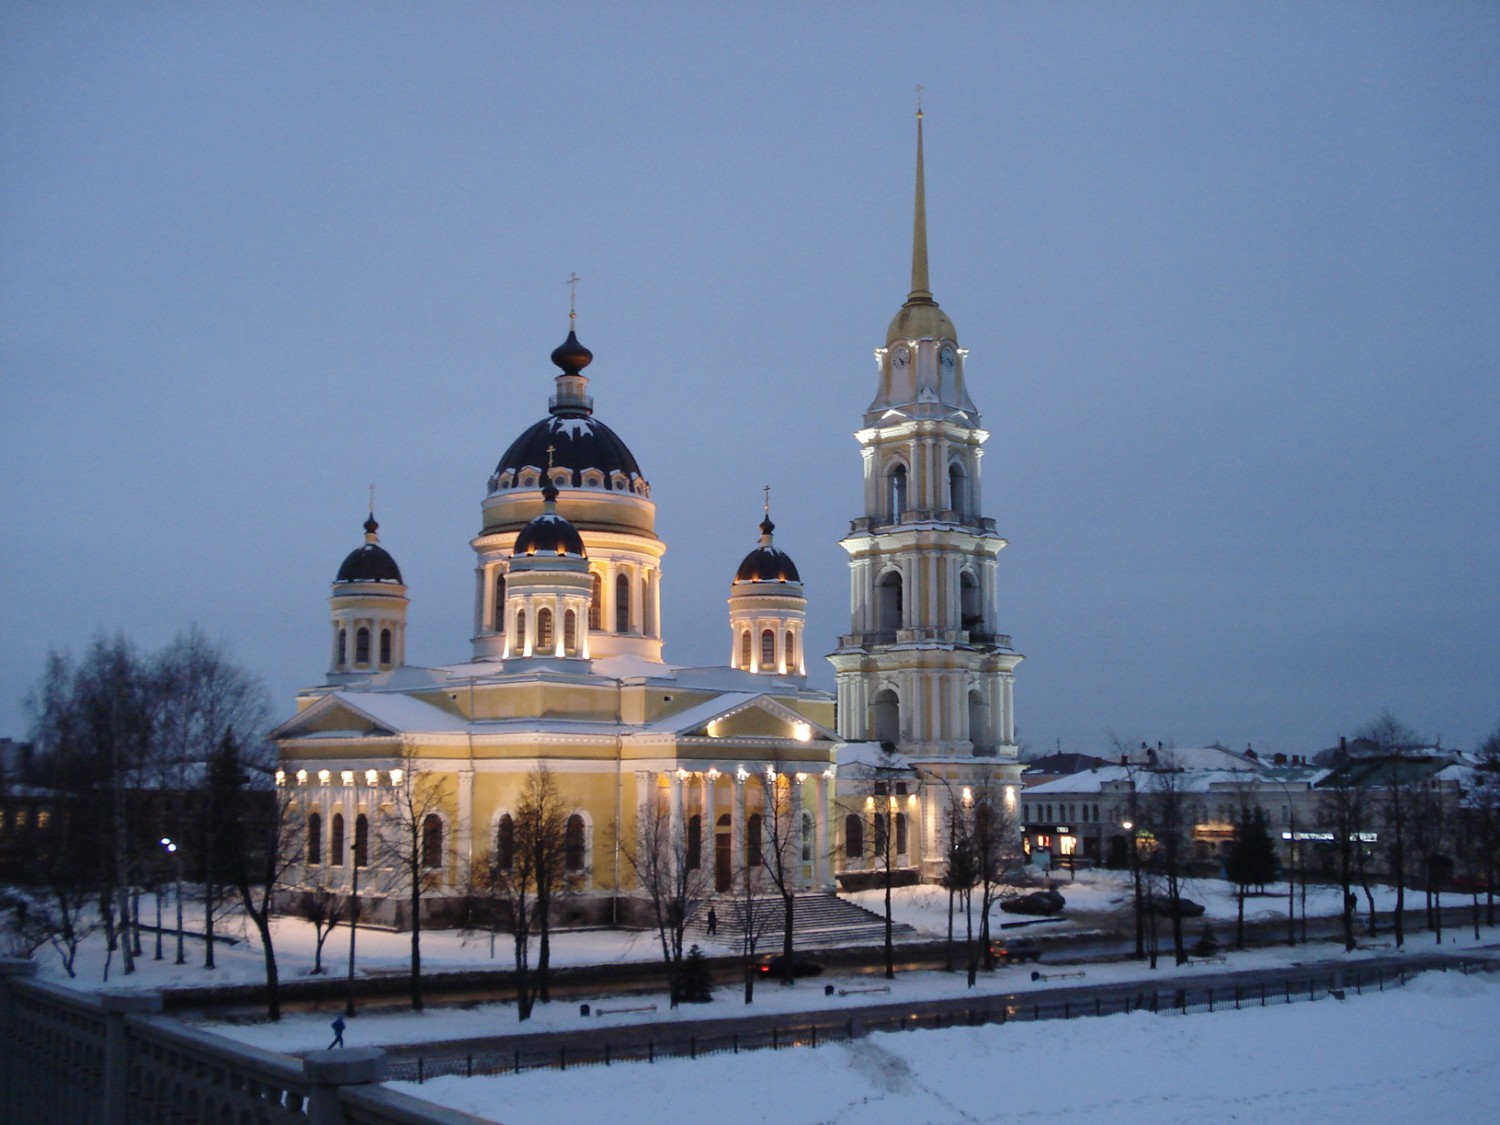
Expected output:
(371, 562)
(578, 441)
(767, 563)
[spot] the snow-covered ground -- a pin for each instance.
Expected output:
(1428, 1050)
(1094, 898)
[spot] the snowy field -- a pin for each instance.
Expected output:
(1407, 1055)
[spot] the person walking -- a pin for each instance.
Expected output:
(713, 922)
(338, 1032)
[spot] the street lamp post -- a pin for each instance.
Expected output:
(1135, 882)
(176, 853)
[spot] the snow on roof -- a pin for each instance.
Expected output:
(858, 756)
(1187, 780)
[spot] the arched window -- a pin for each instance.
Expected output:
(767, 650)
(361, 841)
(343, 646)
(314, 838)
(544, 643)
(896, 493)
(499, 615)
(745, 649)
(432, 841)
(385, 646)
(336, 840)
(854, 837)
(753, 854)
(979, 733)
(791, 651)
(969, 606)
(889, 602)
(900, 833)
(575, 848)
(886, 716)
(807, 837)
(505, 843)
(362, 646)
(882, 835)
(958, 491)
(694, 843)
(570, 633)
(622, 604)
(596, 601)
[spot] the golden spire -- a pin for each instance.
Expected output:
(919, 284)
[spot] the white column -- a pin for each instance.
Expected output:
(821, 846)
(737, 846)
(796, 810)
(674, 822)
(708, 840)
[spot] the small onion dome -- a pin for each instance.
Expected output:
(572, 356)
(370, 563)
(549, 533)
(767, 563)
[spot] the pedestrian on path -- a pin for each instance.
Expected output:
(713, 922)
(338, 1032)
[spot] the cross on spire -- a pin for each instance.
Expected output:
(551, 449)
(573, 280)
(372, 498)
(768, 499)
(920, 88)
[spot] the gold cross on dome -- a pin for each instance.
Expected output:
(768, 499)
(372, 498)
(573, 280)
(551, 449)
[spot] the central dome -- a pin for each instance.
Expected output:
(577, 442)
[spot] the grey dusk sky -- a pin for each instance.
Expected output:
(1229, 275)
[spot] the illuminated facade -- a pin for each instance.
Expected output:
(565, 672)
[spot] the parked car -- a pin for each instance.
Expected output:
(1016, 950)
(1037, 902)
(775, 966)
(1186, 908)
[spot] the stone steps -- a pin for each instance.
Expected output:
(819, 921)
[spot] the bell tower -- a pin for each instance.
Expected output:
(925, 667)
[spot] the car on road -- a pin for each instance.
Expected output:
(1017, 950)
(1037, 902)
(775, 966)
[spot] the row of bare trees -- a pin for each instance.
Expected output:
(149, 772)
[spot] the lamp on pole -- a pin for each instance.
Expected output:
(1135, 882)
(176, 853)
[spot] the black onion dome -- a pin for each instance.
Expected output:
(578, 441)
(549, 534)
(572, 356)
(767, 563)
(370, 563)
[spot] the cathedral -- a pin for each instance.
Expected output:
(566, 666)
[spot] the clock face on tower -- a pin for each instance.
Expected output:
(946, 359)
(899, 358)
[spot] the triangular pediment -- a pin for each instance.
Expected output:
(752, 716)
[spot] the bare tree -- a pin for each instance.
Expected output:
(411, 841)
(882, 827)
(675, 890)
(995, 841)
(522, 873)
(200, 696)
(1393, 742)
(323, 909)
(780, 848)
(92, 726)
(1169, 818)
(260, 836)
